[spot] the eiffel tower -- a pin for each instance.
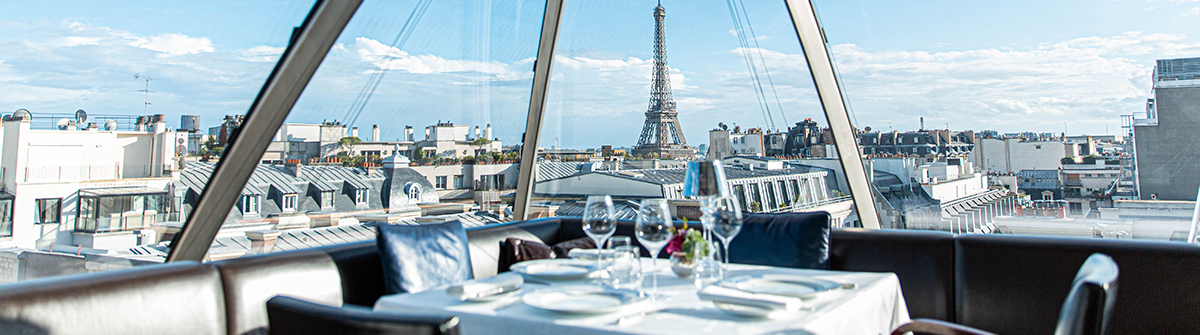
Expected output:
(661, 133)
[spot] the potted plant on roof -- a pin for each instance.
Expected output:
(686, 248)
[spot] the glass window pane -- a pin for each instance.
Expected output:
(402, 112)
(639, 90)
(1070, 120)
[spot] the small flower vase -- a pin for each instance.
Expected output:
(680, 264)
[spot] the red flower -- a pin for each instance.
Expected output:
(676, 243)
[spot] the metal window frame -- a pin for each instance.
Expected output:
(527, 172)
(308, 47)
(820, 66)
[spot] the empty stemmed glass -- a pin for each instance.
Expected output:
(653, 231)
(727, 224)
(599, 222)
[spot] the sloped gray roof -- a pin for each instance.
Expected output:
(555, 170)
(265, 176)
(1038, 179)
(624, 210)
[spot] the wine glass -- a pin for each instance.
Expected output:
(599, 222)
(728, 223)
(654, 231)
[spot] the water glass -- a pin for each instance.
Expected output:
(653, 231)
(620, 241)
(599, 221)
(625, 269)
(727, 224)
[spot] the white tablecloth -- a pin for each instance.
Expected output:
(876, 306)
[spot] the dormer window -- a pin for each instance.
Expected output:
(289, 202)
(360, 196)
(326, 199)
(251, 204)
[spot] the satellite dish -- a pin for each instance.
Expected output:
(110, 125)
(867, 129)
(63, 123)
(80, 117)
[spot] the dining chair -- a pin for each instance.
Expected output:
(291, 316)
(1086, 311)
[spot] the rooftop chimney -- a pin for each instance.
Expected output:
(408, 133)
(375, 133)
(294, 166)
(354, 132)
(262, 241)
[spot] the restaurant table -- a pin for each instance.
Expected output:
(875, 306)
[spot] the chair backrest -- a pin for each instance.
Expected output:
(1089, 305)
(293, 316)
(794, 240)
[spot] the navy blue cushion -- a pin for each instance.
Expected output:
(793, 240)
(421, 257)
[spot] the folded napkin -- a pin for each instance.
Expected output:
(734, 296)
(502, 283)
(591, 254)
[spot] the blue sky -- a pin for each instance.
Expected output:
(1010, 66)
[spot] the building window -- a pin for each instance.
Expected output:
(326, 199)
(48, 210)
(360, 196)
(289, 203)
(440, 182)
(6, 218)
(458, 181)
(250, 204)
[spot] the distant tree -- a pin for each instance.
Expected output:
(348, 143)
(1067, 160)
(1089, 159)
(479, 143)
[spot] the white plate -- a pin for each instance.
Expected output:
(557, 269)
(779, 284)
(495, 297)
(744, 310)
(581, 299)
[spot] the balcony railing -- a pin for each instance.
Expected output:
(119, 222)
(807, 206)
(85, 172)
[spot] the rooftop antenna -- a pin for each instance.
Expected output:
(147, 91)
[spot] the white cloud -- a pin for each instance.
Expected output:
(1192, 12)
(391, 58)
(263, 53)
(72, 65)
(1091, 79)
(174, 44)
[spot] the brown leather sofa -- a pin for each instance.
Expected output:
(1006, 284)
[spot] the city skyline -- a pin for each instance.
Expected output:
(971, 77)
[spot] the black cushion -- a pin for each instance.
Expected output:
(485, 241)
(793, 240)
(561, 249)
(515, 250)
(1017, 284)
(420, 257)
(291, 316)
(176, 298)
(923, 260)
